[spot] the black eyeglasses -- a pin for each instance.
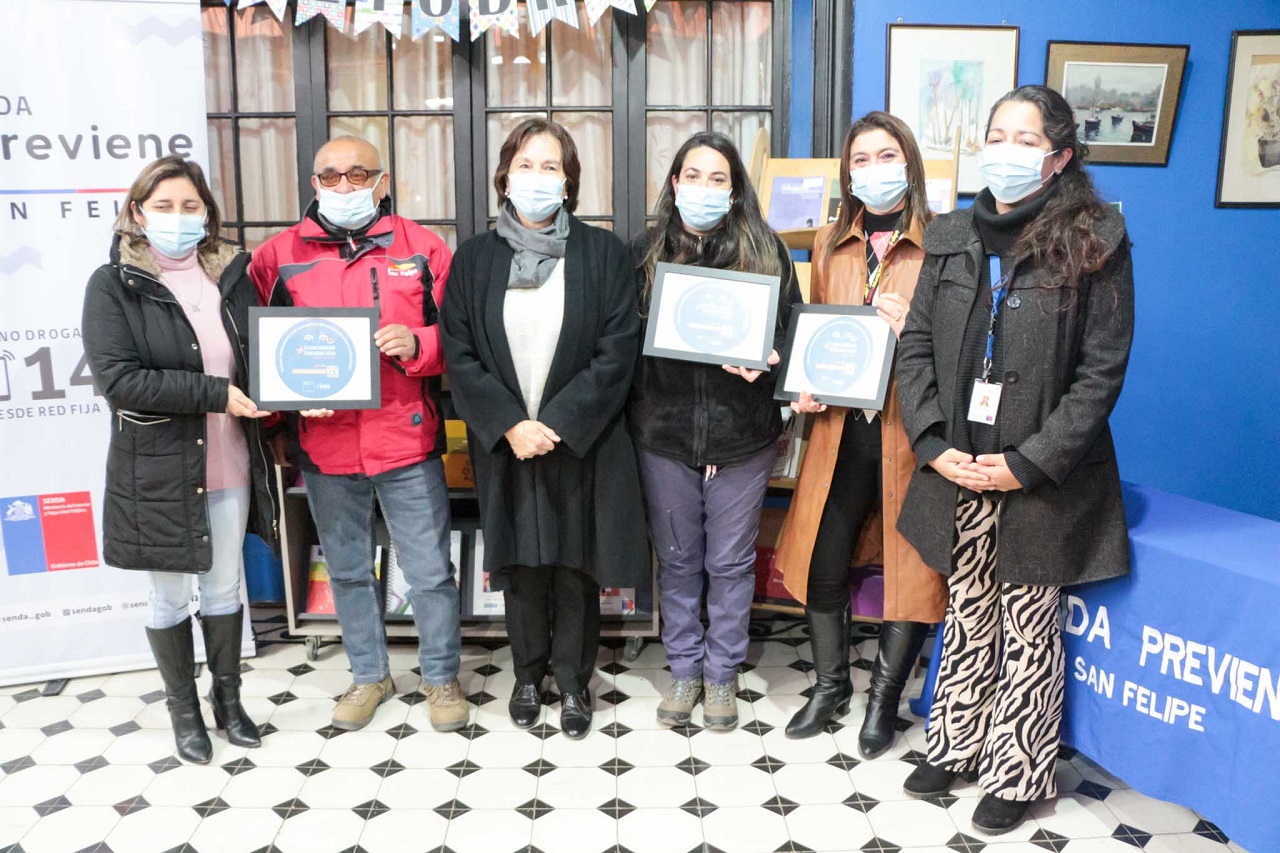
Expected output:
(357, 177)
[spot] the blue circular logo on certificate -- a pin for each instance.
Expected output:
(316, 359)
(837, 355)
(710, 318)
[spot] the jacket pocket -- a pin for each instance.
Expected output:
(138, 419)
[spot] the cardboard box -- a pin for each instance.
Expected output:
(457, 458)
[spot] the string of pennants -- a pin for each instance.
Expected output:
(444, 15)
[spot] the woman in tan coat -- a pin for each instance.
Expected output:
(858, 463)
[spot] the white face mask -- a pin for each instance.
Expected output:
(347, 210)
(881, 186)
(537, 196)
(1012, 172)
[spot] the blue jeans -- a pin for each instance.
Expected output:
(220, 586)
(415, 504)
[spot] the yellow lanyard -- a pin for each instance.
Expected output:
(873, 281)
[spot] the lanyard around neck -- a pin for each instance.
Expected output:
(999, 289)
(873, 280)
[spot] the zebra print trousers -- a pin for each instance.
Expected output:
(997, 704)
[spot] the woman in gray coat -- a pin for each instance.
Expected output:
(1012, 358)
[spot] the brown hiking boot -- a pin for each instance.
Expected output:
(355, 708)
(720, 707)
(676, 707)
(448, 708)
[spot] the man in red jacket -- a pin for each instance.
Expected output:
(350, 250)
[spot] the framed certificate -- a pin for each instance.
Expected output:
(841, 354)
(712, 316)
(314, 358)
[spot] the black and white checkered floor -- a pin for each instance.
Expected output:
(93, 769)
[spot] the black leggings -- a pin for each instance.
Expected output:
(855, 489)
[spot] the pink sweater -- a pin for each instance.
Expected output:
(227, 454)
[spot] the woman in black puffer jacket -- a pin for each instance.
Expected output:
(164, 330)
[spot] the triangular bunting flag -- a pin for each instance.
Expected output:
(494, 13)
(334, 11)
(649, 4)
(277, 6)
(433, 14)
(543, 12)
(596, 8)
(389, 13)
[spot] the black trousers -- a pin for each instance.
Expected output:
(553, 622)
(855, 489)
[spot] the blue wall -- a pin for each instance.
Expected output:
(1200, 412)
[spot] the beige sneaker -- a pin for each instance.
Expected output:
(677, 706)
(448, 708)
(355, 708)
(720, 707)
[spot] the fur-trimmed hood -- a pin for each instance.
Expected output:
(133, 250)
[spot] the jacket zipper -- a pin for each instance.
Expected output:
(700, 418)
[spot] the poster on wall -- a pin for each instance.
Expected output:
(1249, 160)
(74, 144)
(942, 80)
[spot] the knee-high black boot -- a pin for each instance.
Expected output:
(222, 646)
(174, 650)
(900, 644)
(829, 637)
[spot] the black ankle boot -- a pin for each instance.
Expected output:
(829, 637)
(222, 650)
(995, 816)
(900, 644)
(575, 714)
(525, 706)
(174, 650)
(928, 780)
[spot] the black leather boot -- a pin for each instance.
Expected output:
(222, 649)
(829, 637)
(575, 714)
(900, 644)
(525, 706)
(174, 650)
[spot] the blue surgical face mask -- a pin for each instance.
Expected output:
(702, 208)
(881, 186)
(537, 196)
(174, 235)
(347, 210)
(1012, 172)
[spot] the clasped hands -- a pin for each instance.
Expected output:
(531, 438)
(988, 472)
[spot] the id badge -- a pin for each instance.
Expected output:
(985, 402)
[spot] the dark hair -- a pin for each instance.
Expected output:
(525, 131)
(1062, 240)
(145, 185)
(916, 211)
(741, 241)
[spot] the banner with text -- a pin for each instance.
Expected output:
(94, 92)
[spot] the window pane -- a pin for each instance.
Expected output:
(516, 69)
(424, 167)
(742, 129)
(498, 126)
(217, 60)
(677, 53)
(269, 169)
(255, 237)
(357, 69)
(222, 168)
(743, 35)
(665, 133)
(582, 62)
(593, 134)
(264, 61)
(447, 233)
(423, 70)
(372, 128)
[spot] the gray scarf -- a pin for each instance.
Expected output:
(537, 252)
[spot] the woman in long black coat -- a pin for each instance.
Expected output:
(541, 334)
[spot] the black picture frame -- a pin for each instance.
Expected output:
(258, 363)
(791, 356)
(656, 338)
(1228, 179)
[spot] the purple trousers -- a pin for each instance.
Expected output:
(704, 532)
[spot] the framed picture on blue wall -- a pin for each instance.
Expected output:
(1249, 160)
(942, 80)
(1125, 96)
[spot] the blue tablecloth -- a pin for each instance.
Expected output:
(1173, 673)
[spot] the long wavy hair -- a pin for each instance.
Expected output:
(1062, 240)
(144, 186)
(742, 241)
(916, 211)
